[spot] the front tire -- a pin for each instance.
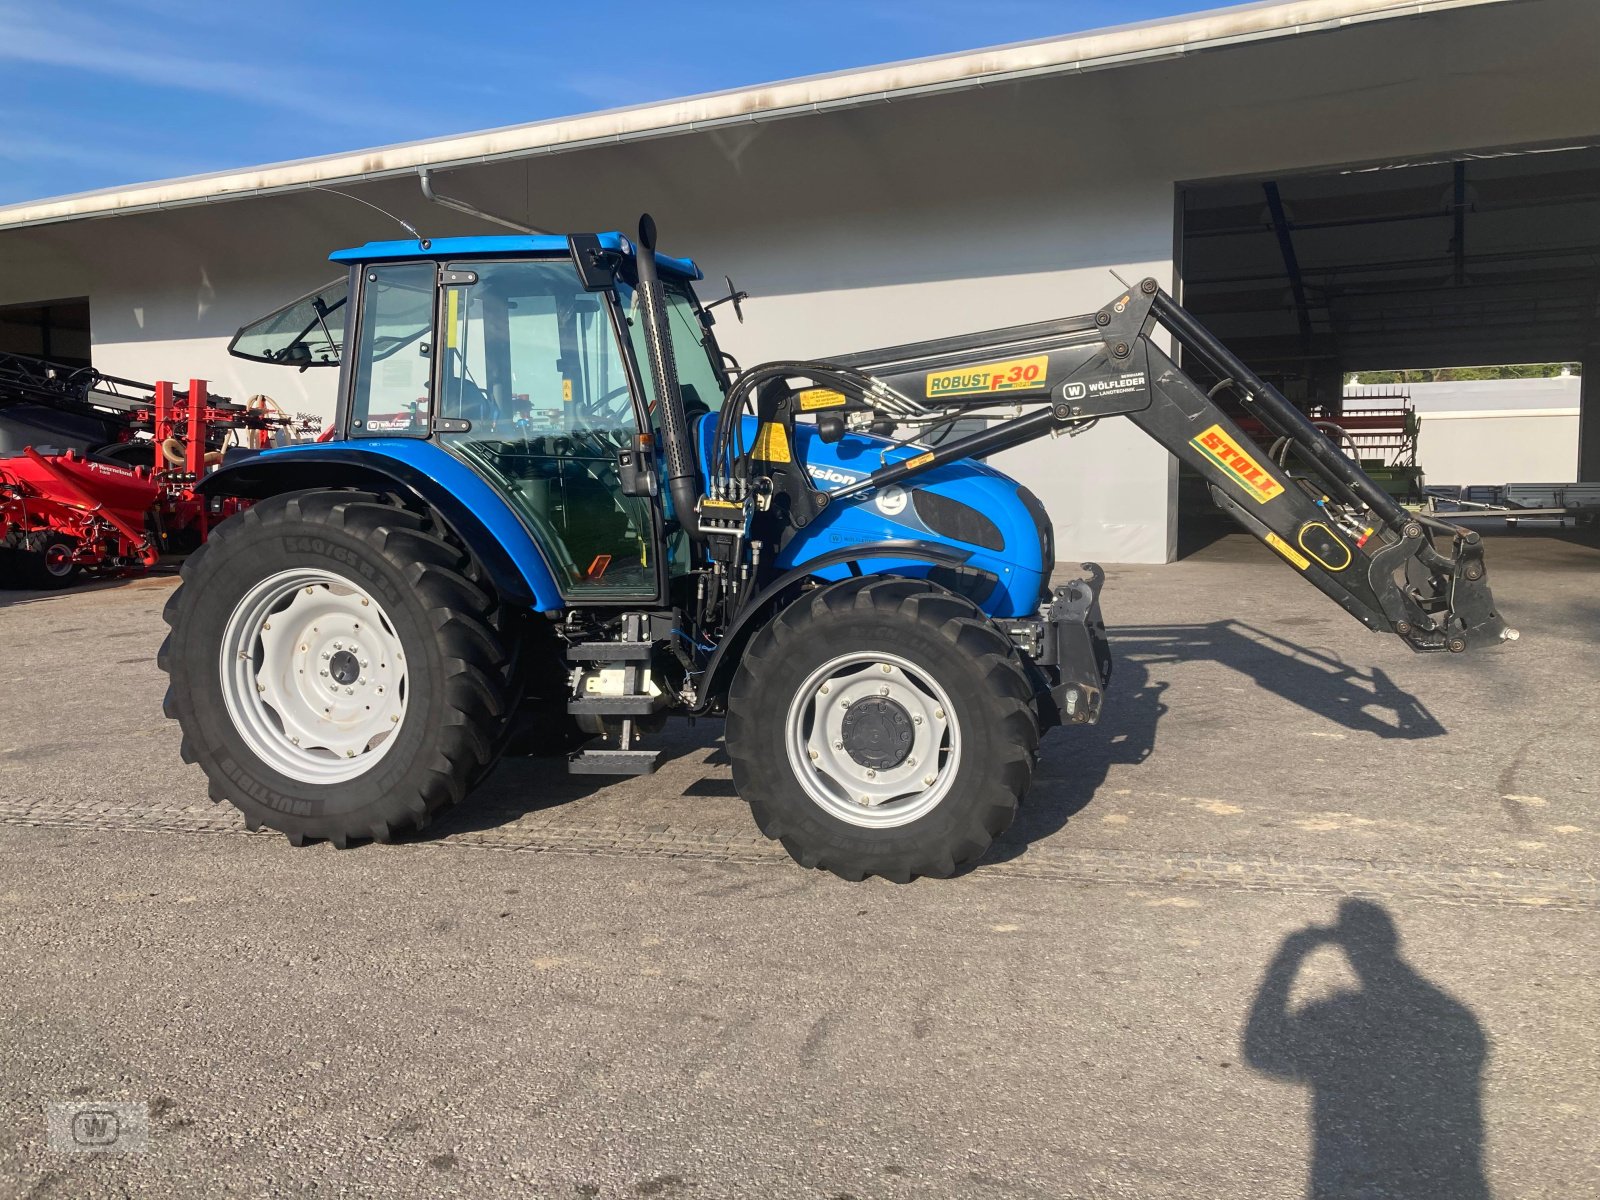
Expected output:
(882, 726)
(335, 670)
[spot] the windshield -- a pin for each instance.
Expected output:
(308, 332)
(692, 347)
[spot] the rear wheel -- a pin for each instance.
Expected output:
(335, 670)
(882, 727)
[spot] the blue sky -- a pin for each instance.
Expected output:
(119, 91)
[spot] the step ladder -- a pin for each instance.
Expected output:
(632, 700)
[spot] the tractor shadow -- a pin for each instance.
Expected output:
(522, 785)
(1075, 763)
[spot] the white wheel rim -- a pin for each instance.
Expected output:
(873, 797)
(313, 676)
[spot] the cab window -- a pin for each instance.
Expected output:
(392, 390)
(535, 396)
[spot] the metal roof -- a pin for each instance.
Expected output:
(1118, 46)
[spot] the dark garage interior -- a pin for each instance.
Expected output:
(1483, 259)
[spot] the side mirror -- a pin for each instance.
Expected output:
(734, 297)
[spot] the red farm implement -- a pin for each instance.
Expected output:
(96, 509)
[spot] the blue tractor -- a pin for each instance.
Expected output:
(555, 513)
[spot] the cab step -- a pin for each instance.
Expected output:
(597, 652)
(613, 762)
(616, 706)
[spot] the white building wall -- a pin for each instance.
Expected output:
(896, 221)
(1492, 431)
(1499, 447)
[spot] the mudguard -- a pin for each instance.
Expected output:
(426, 473)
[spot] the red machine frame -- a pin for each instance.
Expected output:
(67, 514)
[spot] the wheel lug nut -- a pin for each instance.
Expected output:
(824, 689)
(365, 602)
(844, 704)
(927, 781)
(887, 668)
(938, 714)
(838, 745)
(917, 719)
(883, 691)
(911, 762)
(871, 774)
(324, 674)
(394, 718)
(814, 755)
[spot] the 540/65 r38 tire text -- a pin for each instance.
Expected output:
(335, 670)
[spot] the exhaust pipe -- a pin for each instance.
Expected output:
(682, 482)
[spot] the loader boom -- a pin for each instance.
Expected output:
(1328, 520)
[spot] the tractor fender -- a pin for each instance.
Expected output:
(725, 659)
(422, 473)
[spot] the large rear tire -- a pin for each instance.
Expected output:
(882, 726)
(335, 669)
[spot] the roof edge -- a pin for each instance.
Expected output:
(1100, 49)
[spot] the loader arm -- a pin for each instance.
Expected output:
(1328, 520)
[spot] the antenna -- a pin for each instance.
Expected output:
(404, 224)
(425, 177)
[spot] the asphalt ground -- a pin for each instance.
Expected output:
(1176, 976)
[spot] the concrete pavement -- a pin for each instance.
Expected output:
(570, 989)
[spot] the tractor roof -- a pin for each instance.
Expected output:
(516, 243)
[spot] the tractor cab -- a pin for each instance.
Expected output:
(524, 358)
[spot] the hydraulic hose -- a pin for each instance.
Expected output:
(682, 480)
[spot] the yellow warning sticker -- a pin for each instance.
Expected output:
(920, 460)
(772, 444)
(1288, 551)
(566, 391)
(1013, 375)
(1225, 453)
(814, 398)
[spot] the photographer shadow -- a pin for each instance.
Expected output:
(1394, 1067)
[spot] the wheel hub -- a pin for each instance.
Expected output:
(345, 668)
(873, 739)
(877, 733)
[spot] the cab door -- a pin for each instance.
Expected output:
(534, 394)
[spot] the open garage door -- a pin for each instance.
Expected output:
(1395, 271)
(54, 329)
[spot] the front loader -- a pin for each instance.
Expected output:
(555, 513)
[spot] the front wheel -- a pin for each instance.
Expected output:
(882, 726)
(335, 670)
